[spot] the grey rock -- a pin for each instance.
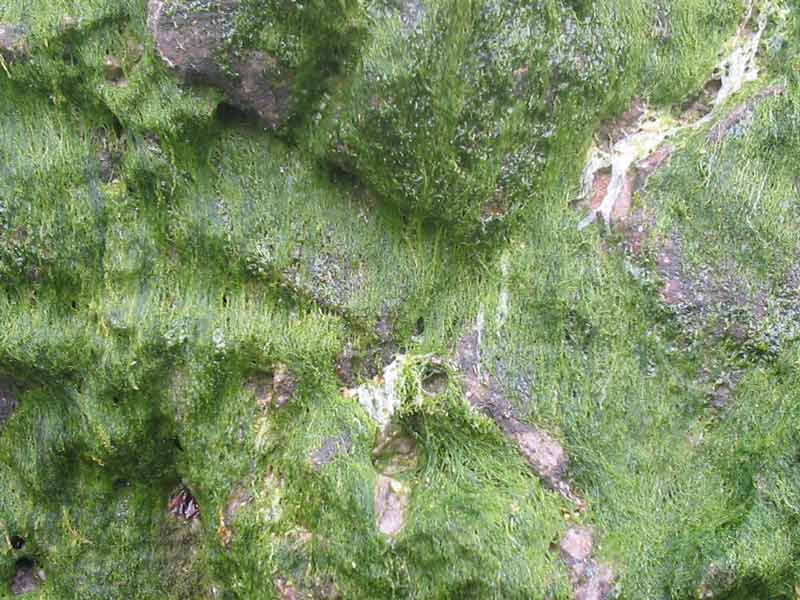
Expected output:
(27, 579)
(8, 401)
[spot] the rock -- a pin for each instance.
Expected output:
(286, 591)
(391, 500)
(543, 453)
(182, 504)
(191, 41)
(395, 451)
(742, 114)
(649, 165)
(275, 389)
(611, 133)
(576, 549)
(435, 381)
(598, 586)
(13, 43)
(591, 580)
(239, 498)
(28, 577)
(330, 449)
(8, 401)
(283, 386)
(112, 69)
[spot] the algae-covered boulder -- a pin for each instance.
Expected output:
(399, 299)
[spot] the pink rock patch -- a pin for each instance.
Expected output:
(391, 501)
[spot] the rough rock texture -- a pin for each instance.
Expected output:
(28, 578)
(391, 501)
(190, 38)
(545, 455)
(591, 580)
(739, 116)
(13, 42)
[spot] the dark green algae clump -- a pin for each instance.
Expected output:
(295, 303)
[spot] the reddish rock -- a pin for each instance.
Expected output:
(182, 504)
(275, 389)
(576, 546)
(610, 133)
(191, 40)
(391, 500)
(238, 499)
(742, 113)
(649, 165)
(546, 457)
(283, 386)
(598, 586)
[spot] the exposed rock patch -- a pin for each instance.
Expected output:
(590, 579)
(274, 389)
(239, 499)
(391, 501)
(190, 37)
(330, 449)
(543, 453)
(740, 116)
(8, 401)
(183, 505)
(13, 43)
(28, 578)
(395, 451)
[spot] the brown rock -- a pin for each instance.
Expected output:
(13, 43)
(182, 504)
(191, 41)
(610, 133)
(286, 591)
(239, 498)
(647, 166)
(391, 500)
(275, 389)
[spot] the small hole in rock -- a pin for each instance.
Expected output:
(419, 329)
(25, 563)
(227, 114)
(434, 381)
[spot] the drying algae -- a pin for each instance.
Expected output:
(413, 299)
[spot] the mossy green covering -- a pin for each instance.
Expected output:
(161, 253)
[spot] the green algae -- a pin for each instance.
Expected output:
(141, 299)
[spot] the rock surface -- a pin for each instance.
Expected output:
(190, 38)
